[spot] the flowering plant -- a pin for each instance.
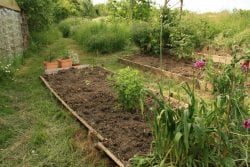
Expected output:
(74, 57)
(5, 71)
(199, 64)
(245, 66)
(246, 124)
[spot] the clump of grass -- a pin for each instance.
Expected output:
(6, 133)
(67, 26)
(102, 37)
(46, 37)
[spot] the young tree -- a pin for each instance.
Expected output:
(131, 9)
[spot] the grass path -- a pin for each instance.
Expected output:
(34, 129)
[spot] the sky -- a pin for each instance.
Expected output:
(202, 6)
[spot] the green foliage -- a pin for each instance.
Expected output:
(228, 86)
(222, 30)
(102, 37)
(144, 38)
(130, 9)
(129, 83)
(45, 37)
(6, 133)
(9, 65)
(64, 9)
(4, 106)
(39, 13)
(67, 25)
(87, 8)
(199, 135)
(181, 44)
(42, 13)
(101, 9)
(38, 137)
(6, 71)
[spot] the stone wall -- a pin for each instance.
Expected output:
(11, 38)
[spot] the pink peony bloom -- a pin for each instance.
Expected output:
(246, 124)
(199, 64)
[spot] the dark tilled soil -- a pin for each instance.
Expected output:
(88, 92)
(184, 68)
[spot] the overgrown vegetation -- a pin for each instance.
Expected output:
(202, 134)
(102, 37)
(214, 133)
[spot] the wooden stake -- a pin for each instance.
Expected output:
(100, 146)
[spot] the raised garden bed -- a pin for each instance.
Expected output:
(89, 95)
(182, 71)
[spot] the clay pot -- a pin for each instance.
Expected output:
(65, 63)
(50, 65)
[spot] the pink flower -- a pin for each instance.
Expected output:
(245, 66)
(199, 64)
(246, 124)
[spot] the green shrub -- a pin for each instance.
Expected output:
(66, 26)
(129, 84)
(181, 44)
(102, 37)
(141, 35)
(46, 37)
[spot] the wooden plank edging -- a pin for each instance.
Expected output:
(100, 146)
(200, 84)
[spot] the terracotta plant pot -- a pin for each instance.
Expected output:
(50, 65)
(65, 63)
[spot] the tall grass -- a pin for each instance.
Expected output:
(67, 26)
(220, 29)
(102, 37)
(44, 38)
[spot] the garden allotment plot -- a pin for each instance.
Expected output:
(90, 95)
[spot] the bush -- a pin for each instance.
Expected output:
(181, 44)
(102, 37)
(66, 26)
(129, 84)
(46, 37)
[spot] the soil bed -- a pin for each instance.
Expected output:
(184, 68)
(88, 92)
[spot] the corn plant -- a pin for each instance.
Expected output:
(180, 136)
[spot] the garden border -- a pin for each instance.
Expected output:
(203, 85)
